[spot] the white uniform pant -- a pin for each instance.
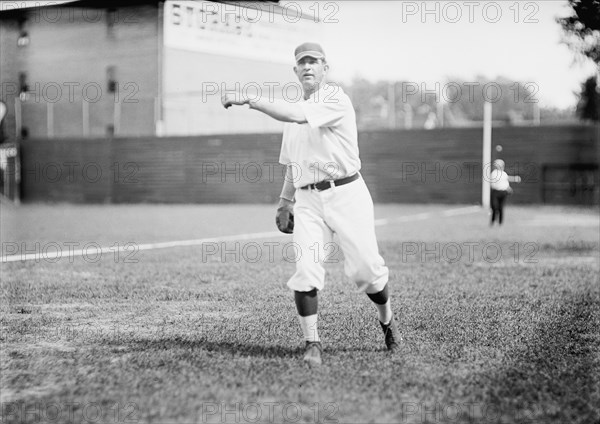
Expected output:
(348, 211)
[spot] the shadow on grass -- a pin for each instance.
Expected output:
(553, 376)
(199, 345)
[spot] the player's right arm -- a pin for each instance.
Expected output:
(278, 109)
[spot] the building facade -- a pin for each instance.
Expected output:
(144, 68)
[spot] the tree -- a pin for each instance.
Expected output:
(583, 28)
(589, 102)
(583, 36)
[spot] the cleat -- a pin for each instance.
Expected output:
(393, 338)
(312, 354)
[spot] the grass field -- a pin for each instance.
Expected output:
(501, 325)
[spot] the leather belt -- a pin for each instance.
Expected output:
(324, 185)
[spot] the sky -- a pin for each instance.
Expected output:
(397, 40)
(439, 41)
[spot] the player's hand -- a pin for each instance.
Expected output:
(285, 216)
(230, 98)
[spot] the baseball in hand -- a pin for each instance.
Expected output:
(229, 99)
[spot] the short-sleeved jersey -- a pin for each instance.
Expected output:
(326, 147)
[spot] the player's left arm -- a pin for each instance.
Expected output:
(285, 209)
(514, 179)
(275, 108)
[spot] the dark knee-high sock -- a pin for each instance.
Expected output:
(307, 304)
(382, 302)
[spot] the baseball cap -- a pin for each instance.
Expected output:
(309, 49)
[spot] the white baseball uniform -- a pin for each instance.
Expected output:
(499, 180)
(326, 148)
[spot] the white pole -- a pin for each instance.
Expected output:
(487, 155)
(158, 129)
(50, 110)
(18, 119)
(536, 114)
(391, 105)
(117, 118)
(6, 180)
(408, 115)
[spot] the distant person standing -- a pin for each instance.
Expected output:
(500, 185)
(2, 115)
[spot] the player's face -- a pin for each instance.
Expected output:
(310, 72)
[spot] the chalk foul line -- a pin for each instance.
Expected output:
(50, 256)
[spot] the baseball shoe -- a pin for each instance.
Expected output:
(312, 354)
(393, 338)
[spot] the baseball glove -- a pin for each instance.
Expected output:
(285, 219)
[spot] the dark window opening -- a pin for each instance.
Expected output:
(23, 39)
(23, 85)
(111, 20)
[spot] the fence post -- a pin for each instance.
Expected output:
(18, 118)
(391, 105)
(117, 118)
(50, 119)
(85, 111)
(487, 155)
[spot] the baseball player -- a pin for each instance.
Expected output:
(323, 193)
(500, 189)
